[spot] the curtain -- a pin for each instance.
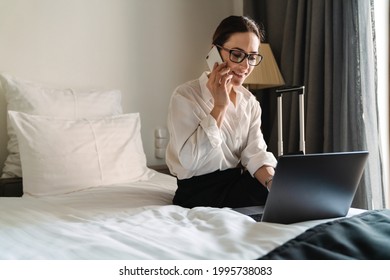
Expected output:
(329, 47)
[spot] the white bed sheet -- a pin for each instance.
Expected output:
(134, 221)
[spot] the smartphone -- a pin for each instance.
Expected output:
(213, 57)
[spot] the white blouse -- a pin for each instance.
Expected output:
(198, 146)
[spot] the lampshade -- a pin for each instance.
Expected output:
(267, 74)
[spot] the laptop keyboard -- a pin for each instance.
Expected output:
(256, 217)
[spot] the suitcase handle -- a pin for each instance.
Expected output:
(301, 92)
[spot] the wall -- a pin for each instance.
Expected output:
(143, 47)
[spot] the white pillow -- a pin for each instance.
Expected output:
(37, 99)
(61, 156)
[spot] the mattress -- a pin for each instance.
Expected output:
(133, 221)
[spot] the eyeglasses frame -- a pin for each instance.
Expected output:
(246, 55)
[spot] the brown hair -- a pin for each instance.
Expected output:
(236, 24)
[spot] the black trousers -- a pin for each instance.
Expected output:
(228, 188)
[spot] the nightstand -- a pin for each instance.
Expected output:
(11, 187)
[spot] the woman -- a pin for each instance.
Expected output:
(216, 148)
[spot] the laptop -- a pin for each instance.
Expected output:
(310, 187)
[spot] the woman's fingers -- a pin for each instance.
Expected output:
(220, 74)
(219, 78)
(226, 79)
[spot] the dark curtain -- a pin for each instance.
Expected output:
(329, 47)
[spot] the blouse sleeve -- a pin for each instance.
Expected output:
(255, 154)
(194, 134)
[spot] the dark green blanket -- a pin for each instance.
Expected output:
(363, 237)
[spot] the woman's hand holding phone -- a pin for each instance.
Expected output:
(219, 78)
(218, 84)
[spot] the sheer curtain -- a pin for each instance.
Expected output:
(328, 46)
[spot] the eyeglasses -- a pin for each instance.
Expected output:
(238, 56)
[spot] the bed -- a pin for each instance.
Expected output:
(87, 195)
(137, 221)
